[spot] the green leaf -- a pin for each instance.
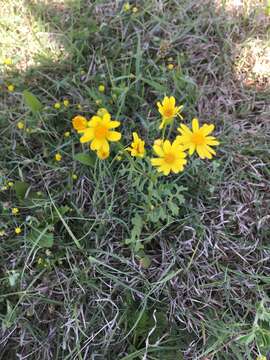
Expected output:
(246, 339)
(41, 237)
(21, 188)
(32, 101)
(86, 159)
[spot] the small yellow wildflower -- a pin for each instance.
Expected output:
(137, 146)
(197, 139)
(3, 188)
(126, 7)
(168, 110)
(170, 66)
(102, 112)
(57, 105)
(79, 123)
(10, 183)
(67, 134)
(118, 157)
(103, 154)
(11, 88)
(74, 176)
(2, 233)
(15, 211)
(18, 230)
(66, 103)
(99, 132)
(58, 157)
(135, 10)
(98, 102)
(261, 357)
(101, 88)
(20, 125)
(79, 107)
(171, 157)
(7, 61)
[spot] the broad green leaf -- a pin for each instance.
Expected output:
(85, 159)
(32, 101)
(21, 188)
(41, 237)
(247, 339)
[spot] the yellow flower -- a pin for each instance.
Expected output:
(102, 112)
(67, 134)
(57, 106)
(2, 233)
(101, 88)
(66, 103)
(170, 66)
(126, 7)
(98, 102)
(3, 188)
(135, 10)
(99, 132)
(168, 110)
(74, 176)
(20, 125)
(79, 107)
(10, 183)
(79, 123)
(137, 146)
(198, 139)
(171, 157)
(103, 154)
(118, 157)
(7, 61)
(18, 230)
(58, 157)
(15, 211)
(261, 357)
(11, 88)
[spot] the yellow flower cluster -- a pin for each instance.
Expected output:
(99, 131)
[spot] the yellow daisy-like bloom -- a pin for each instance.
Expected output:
(101, 88)
(168, 110)
(66, 103)
(57, 106)
(74, 176)
(20, 125)
(2, 233)
(170, 66)
(137, 146)
(102, 111)
(15, 211)
(171, 157)
(198, 139)
(58, 157)
(18, 230)
(67, 134)
(126, 7)
(103, 154)
(7, 61)
(99, 132)
(11, 88)
(135, 10)
(10, 183)
(79, 123)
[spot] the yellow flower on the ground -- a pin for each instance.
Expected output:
(126, 7)
(170, 66)
(79, 123)
(103, 154)
(10, 183)
(4, 188)
(261, 357)
(57, 105)
(102, 112)
(101, 88)
(74, 176)
(98, 102)
(15, 211)
(99, 132)
(171, 157)
(18, 230)
(2, 233)
(20, 125)
(66, 103)
(137, 146)
(79, 107)
(7, 61)
(58, 157)
(11, 88)
(135, 10)
(67, 134)
(168, 110)
(197, 139)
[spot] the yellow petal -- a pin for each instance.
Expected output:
(96, 144)
(113, 124)
(114, 136)
(207, 129)
(195, 124)
(88, 135)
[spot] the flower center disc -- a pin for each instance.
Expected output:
(101, 132)
(197, 139)
(169, 158)
(168, 112)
